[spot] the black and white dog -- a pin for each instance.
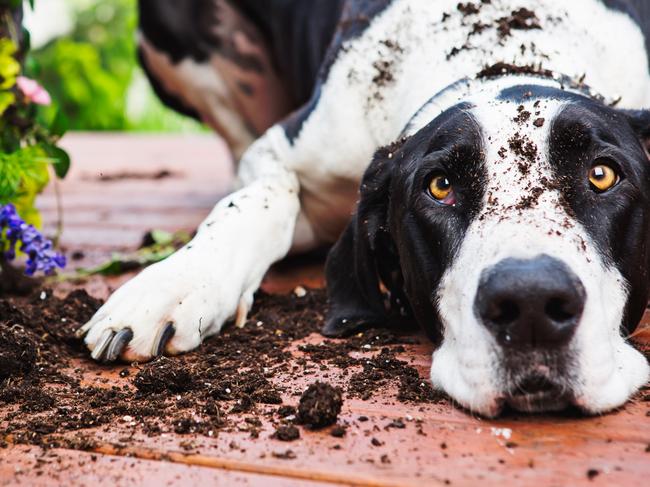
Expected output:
(501, 148)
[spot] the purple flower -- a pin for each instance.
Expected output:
(41, 256)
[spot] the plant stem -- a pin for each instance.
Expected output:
(59, 210)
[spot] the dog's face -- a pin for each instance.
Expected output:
(515, 228)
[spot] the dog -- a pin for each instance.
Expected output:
(496, 152)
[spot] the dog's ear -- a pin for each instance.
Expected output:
(364, 257)
(640, 122)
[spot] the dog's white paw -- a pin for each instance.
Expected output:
(168, 308)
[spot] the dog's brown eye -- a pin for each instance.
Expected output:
(441, 189)
(602, 177)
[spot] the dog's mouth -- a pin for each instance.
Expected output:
(538, 393)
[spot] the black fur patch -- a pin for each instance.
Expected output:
(299, 33)
(400, 236)
(618, 221)
(181, 29)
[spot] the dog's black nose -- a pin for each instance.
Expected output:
(530, 303)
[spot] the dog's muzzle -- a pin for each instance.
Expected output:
(530, 304)
(532, 307)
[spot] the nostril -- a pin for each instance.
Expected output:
(558, 309)
(505, 312)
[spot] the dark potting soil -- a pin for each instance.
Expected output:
(17, 352)
(320, 405)
(50, 392)
(121, 176)
(500, 69)
(286, 432)
(521, 19)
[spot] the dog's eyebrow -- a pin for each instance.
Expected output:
(447, 130)
(437, 153)
(467, 111)
(584, 125)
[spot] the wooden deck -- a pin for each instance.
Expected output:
(440, 445)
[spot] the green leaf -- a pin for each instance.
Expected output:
(59, 125)
(23, 175)
(162, 237)
(60, 160)
(9, 66)
(119, 264)
(165, 244)
(27, 39)
(10, 176)
(24, 170)
(7, 98)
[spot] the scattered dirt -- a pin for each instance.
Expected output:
(525, 148)
(385, 68)
(338, 431)
(17, 352)
(530, 200)
(320, 405)
(523, 115)
(51, 394)
(163, 374)
(478, 28)
(286, 432)
(469, 8)
(592, 473)
(521, 19)
(384, 74)
(501, 69)
(121, 176)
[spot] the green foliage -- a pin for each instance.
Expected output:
(28, 137)
(163, 244)
(90, 72)
(23, 175)
(9, 69)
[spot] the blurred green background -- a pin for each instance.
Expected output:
(84, 54)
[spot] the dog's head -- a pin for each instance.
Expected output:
(514, 226)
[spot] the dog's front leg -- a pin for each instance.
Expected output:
(171, 306)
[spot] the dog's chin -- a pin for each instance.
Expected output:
(542, 401)
(537, 388)
(487, 388)
(538, 402)
(531, 403)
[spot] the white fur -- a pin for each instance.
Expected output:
(200, 286)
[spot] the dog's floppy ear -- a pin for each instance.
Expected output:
(364, 257)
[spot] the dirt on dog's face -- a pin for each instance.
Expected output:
(515, 229)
